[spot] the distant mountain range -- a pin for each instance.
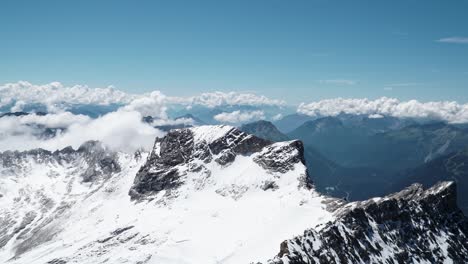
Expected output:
(357, 157)
(264, 129)
(321, 170)
(290, 122)
(207, 114)
(360, 157)
(450, 167)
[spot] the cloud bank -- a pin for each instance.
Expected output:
(150, 105)
(57, 97)
(237, 117)
(55, 94)
(215, 99)
(451, 112)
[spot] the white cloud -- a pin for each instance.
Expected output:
(151, 105)
(58, 97)
(121, 130)
(59, 120)
(215, 99)
(455, 40)
(18, 107)
(54, 94)
(239, 116)
(452, 112)
(339, 82)
(173, 122)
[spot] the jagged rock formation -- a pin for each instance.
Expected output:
(450, 167)
(188, 147)
(412, 226)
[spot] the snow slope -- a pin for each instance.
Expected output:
(234, 212)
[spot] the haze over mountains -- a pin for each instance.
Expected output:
(365, 157)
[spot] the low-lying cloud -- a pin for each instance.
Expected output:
(173, 122)
(151, 105)
(451, 112)
(237, 117)
(120, 130)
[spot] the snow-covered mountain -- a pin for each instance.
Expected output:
(208, 194)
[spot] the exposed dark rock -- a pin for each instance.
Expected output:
(282, 159)
(56, 261)
(159, 172)
(412, 224)
(100, 161)
(269, 185)
(178, 147)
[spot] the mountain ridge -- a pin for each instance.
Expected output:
(173, 205)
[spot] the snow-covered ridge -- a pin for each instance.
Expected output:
(37, 186)
(209, 134)
(226, 197)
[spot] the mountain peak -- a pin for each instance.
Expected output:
(264, 129)
(191, 154)
(441, 197)
(210, 133)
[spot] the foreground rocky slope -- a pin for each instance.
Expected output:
(412, 226)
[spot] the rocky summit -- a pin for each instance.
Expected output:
(186, 150)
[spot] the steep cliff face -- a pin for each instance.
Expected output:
(412, 226)
(186, 155)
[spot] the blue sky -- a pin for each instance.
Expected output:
(292, 50)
